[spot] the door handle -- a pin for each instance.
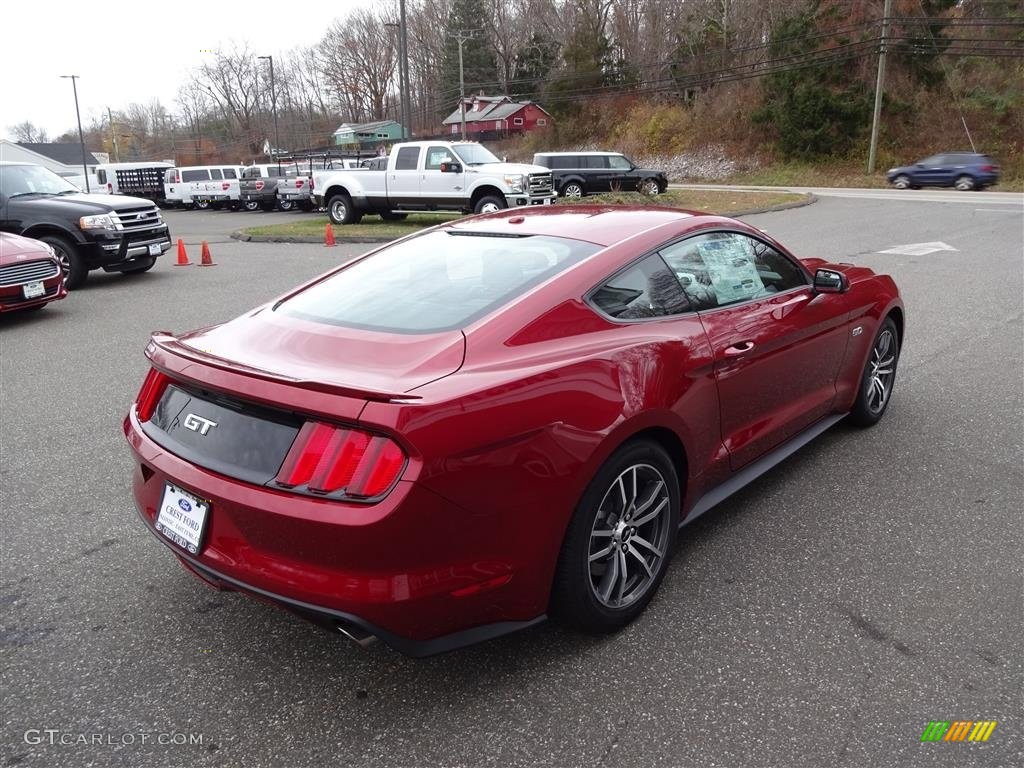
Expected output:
(740, 348)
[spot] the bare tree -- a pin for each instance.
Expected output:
(358, 56)
(28, 131)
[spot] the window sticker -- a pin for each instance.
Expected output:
(730, 263)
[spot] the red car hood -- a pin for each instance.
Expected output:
(323, 357)
(14, 248)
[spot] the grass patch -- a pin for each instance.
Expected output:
(711, 201)
(371, 226)
(706, 200)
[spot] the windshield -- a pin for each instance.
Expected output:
(474, 154)
(32, 180)
(435, 282)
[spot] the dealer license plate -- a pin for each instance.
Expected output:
(182, 518)
(33, 290)
(154, 249)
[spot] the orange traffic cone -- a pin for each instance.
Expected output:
(207, 260)
(329, 237)
(182, 256)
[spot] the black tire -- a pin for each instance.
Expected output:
(392, 216)
(75, 271)
(573, 190)
(575, 598)
(964, 183)
(867, 410)
(341, 211)
(251, 205)
(284, 204)
(138, 270)
(489, 204)
(649, 187)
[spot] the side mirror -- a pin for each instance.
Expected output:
(830, 281)
(450, 166)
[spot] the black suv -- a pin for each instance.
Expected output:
(109, 232)
(576, 174)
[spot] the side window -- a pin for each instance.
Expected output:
(435, 156)
(619, 163)
(229, 173)
(216, 174)
(594, 162)
(195, 175)
(646, 289)
(561, 162)
(723, 268)
(407, 159)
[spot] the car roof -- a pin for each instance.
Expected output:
(601, 225)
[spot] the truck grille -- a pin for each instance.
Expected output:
(540, 184)
(135, 219)
(28, 272)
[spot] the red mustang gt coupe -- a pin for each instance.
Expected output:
(30, 274)
(501, 418)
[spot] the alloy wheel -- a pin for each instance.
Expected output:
(965, 183)
(650, 188)
(630, 536)
(489, 208)
(64, 259)
(881, 371)
(901, 182)
(573, 191)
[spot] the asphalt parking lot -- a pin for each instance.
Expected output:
(821, 617)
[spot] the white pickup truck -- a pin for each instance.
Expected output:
(431, 176)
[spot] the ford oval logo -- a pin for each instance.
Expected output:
(183, 503)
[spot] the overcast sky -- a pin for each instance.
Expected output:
(131, 51)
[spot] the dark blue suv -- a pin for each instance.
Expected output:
(963, 170)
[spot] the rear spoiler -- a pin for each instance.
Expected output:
(163, 344)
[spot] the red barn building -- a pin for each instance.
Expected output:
(497, 115)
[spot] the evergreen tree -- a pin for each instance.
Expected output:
(479, 65)
(816, 110)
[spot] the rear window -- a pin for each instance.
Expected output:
(435, 282)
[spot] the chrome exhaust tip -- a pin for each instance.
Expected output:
(358, 636)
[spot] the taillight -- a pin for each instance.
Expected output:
(149, 395)
(110, 188)
(311, 184)
(325, 459)
(298, 183)
(177, 178)
(988, 168)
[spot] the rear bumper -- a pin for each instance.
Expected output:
(414, 570)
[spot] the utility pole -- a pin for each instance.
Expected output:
(404, 105)
(403, 67)
(462, 37)
(273, 99)
(879, 86)
(81, 136)
(113, 136)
